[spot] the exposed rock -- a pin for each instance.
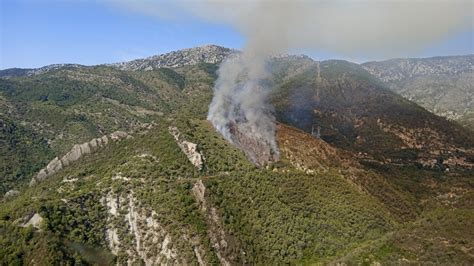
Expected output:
(189, 148)
(85, 149)
(118, 135)
(93, 144)
(113, 240)
(151, 243)
(104, 140)
(75, 154)
(11, 193)
(40, 176)
(198, 256)
(399, 69)
(205, 54)
(120, 177)
(34, 221)
(69, 180)
(54, 166)
(227, 252)
(72, 155)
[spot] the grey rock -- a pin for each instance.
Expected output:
(117, 135)
(188, 148)
(93, 144)
(85, 149)
(54, 166)
(11, 193)
(204, 54)
(34, 221)
(75, 154)
(104, 140)
(41, 175)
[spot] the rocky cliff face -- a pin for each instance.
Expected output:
(204, 54)
(212, 54)
(75, 154)
(145, 240)
(188, 148)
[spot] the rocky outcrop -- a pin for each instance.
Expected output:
(204, 54)
(145, 240)
(227, 251)
(75, 154)
(188, 148)
(11, 193)
(34, 221)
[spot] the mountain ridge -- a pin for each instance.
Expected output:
(412, 67)
(443, 85)
(364, 175)
(211, 53)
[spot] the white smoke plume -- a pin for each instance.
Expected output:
(353, 28)
(240, 97)
(350, 27)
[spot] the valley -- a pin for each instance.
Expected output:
(384, 181)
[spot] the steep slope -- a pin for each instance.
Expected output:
(167, 220)
(362, 178)
(443, 85)
(72, 105)
(143, 200)
(22, 153)
(353, 110)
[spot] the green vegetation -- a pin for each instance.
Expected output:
(297, 217)
(44, 116)
(373, 203)
(23, 153)
(74, 213)
(440, 236)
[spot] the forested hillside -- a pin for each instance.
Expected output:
(442, 85)
(365, 176)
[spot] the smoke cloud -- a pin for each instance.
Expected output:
(348, 27)
(240, 95)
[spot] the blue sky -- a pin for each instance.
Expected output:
(35, 33)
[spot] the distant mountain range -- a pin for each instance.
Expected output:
(443, 85)
(117, 164)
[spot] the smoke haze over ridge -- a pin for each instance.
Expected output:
(390, 27)
(348, 27)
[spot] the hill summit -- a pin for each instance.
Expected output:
(204, 54)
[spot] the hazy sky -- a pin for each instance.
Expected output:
(35, 33)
